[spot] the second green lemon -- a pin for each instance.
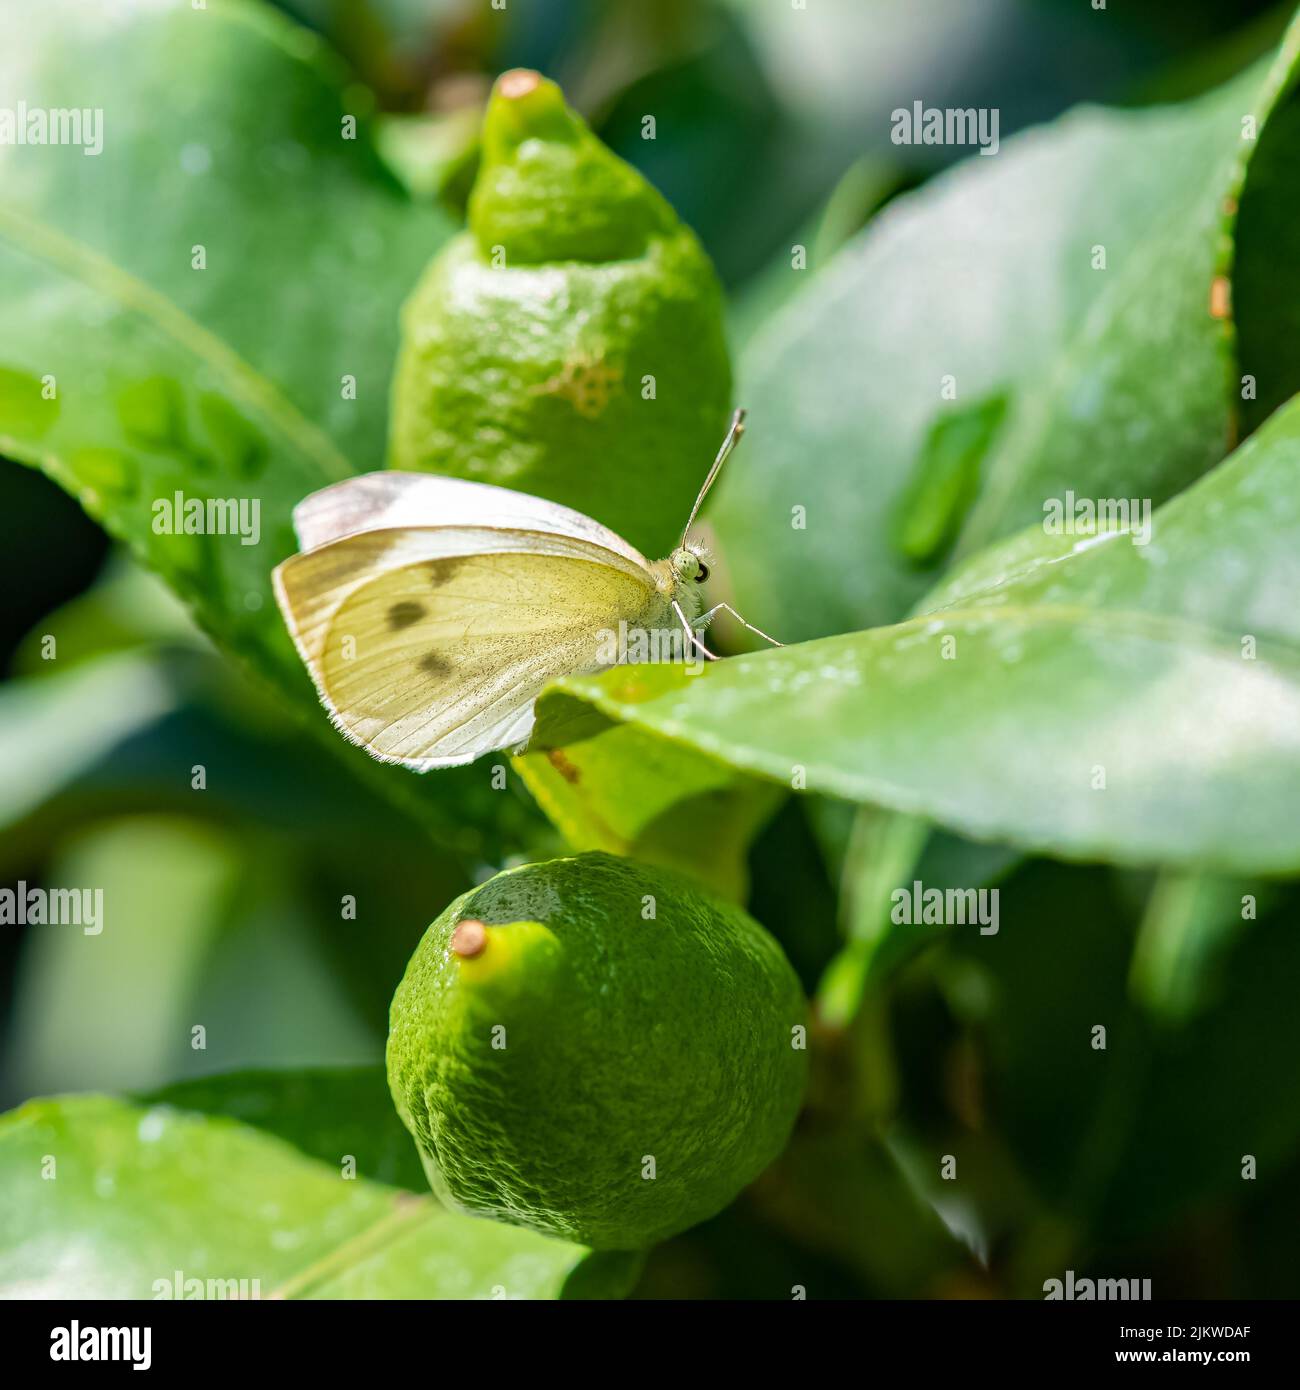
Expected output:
(596, 1049)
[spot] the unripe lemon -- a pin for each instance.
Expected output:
(570, 343)
(597, 1050)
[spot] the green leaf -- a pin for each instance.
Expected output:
(79, 1016)
(1219, 1089)
(844, 1193)
(1118, 382)
(611, 787)
(883, 848)
(1123, 1139)
(224, 381)
(1138, 703)
(1190, 925)
(322, 1111)
(105, 1199)
(889, 852)
(223, 129)
(54, 729)
(946, 481)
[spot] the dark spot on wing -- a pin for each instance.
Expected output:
(440, 571)
(434, 664)
(402, 615)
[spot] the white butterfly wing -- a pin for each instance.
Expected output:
(429, 645)
(392, 500)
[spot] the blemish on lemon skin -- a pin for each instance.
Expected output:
(469, 939)
(587, 382)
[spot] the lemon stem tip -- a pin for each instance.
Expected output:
(518, 82)
(469, 938)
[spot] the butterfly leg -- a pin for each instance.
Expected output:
(691, 634)
(718, 607)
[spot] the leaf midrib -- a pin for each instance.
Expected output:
(383, 1232)
(44, 243)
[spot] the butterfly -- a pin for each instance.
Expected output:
(431, 611)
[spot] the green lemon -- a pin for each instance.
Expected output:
(597, 1050)
(570, 344)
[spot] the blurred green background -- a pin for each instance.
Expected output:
(227, 907)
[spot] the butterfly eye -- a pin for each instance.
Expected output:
(702, 573)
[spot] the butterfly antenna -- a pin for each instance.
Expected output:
(728, 444)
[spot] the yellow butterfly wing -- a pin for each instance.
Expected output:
(429, 646)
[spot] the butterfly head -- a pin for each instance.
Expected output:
(688, 563)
